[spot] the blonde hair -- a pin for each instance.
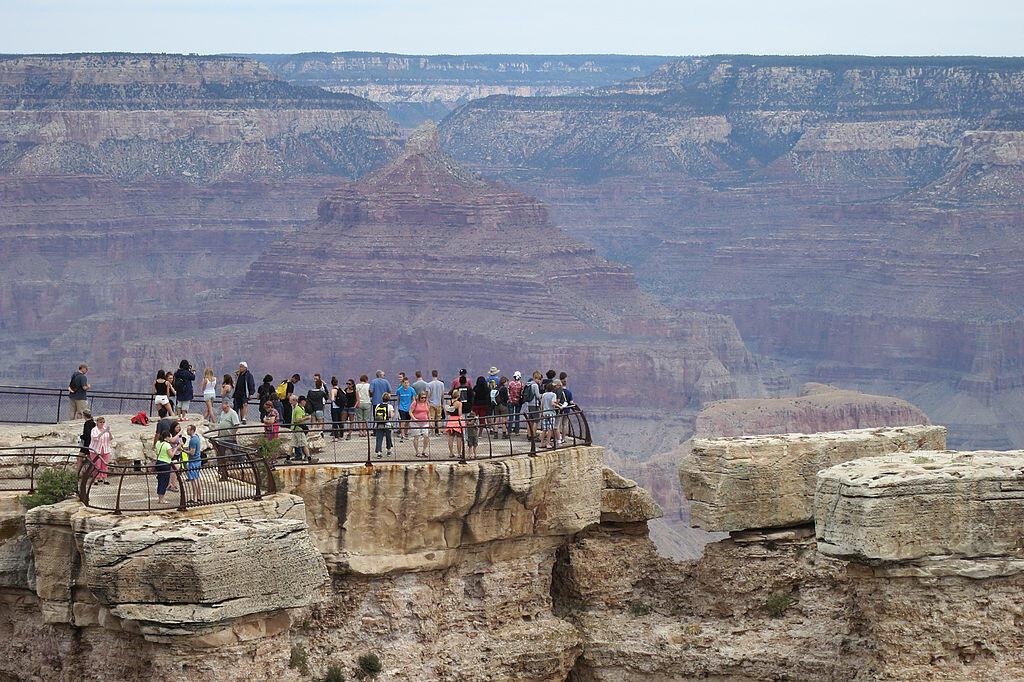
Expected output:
(208, 374)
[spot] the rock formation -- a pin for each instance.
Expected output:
(855, 216)
(424, 262)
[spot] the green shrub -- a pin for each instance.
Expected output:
(334, 674)
(638, 608)
(299, 660)
(271, 450)
(370, 664)
(922, 460)
(52, 485)
(777, 603)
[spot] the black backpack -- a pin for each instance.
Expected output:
(381, 413)
(178, 383)
(527, 394)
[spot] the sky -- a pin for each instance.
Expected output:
(660, 27)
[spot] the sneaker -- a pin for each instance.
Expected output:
(389, 453)
(313, 460)
(243, 421)
(380, 456)
(348, 437)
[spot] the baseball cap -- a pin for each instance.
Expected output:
(517, 374)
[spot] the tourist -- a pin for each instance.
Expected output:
(348, 413)
(78, 389)
(300, 425)
(419, 385)
(227, 389)
(164, 466)
(420, 426)
(364, 407)
(454, 425)
(337, 408)
(500, 408)
(162, 390)
(172, 394)
(163, 424)
(265, 393)
(464, 390)
(316, 398)
(493, 378)
(193, 463)
(183, 388)
(481, 399)
(271, 420)
(209, 393)
(378, 387)
(286, 397)
(565, 398)
(226, 432)
(546, 382)
(436, 400)
(85, 442)
(102, 446)
(473, 425)
(383, 413)
(245, 386)
(549, 406)
(405, 395)
(531, 405)
(177, 443)
(515, 405)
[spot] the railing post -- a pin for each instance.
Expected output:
(32, 473)
(255, 475)
(58, 407)
(536, 434)
(181, 487)
(369, 460)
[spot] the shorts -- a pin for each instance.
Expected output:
(209, 395)
(472, 438)
(238, 402)
(480, 410)
(192, 471)
(183, 405)
(500, 410)
(161, 400)
(363, 413)
(404, 415)
(79, 404)
(419, 429)
(532, 411)
(299, 439)
(318, 414)
(547, 424)
(346, 411)
(436, 412)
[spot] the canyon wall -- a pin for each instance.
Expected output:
(857, 217)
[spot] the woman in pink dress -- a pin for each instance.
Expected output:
(454, 426)
(102, 444)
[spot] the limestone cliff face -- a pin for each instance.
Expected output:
(848, 213)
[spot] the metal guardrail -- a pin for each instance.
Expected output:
(239, 475)
(356, 442)
(19, 465)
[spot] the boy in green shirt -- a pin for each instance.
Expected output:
(299, 427)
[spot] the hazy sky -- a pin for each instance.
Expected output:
(680, 27)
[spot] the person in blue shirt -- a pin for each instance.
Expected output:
(405, 394)
(378, 387)
(193, 461)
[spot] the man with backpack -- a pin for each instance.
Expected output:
(183, 389)
(383, 413)
(77, 390)
(284, 393)
(531, 405)
(299, 427)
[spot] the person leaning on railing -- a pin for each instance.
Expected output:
(227, 432)
(164, 466)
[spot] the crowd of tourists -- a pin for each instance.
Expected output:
(414, 408)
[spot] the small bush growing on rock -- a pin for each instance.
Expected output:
(52, 485)
(922, 460)
(370, 664)
(299, 660)
(334, 674)
(777, 603)
(638, 608)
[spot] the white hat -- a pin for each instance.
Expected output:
(493, 370)
(517, 374)
(244, 364)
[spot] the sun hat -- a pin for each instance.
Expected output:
(493, 370)
(517, 374)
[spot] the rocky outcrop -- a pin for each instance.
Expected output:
(769, 481)
(817, 408)
(468, 292)
(623, 501)
(934, 541)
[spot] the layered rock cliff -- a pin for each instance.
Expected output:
(425, 262)
(855, 216)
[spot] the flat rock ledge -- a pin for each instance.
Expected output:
(926, 513)
(748, 482)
